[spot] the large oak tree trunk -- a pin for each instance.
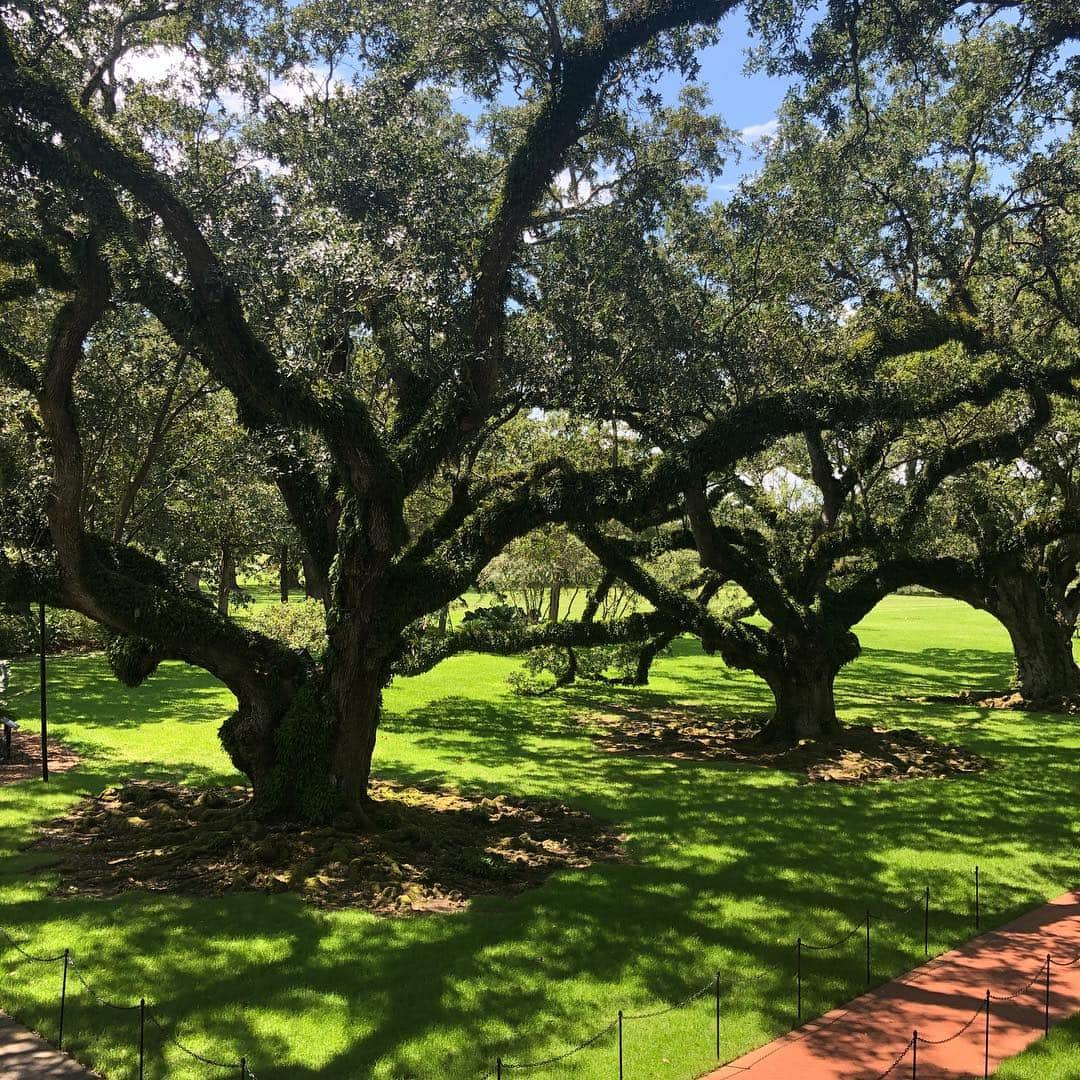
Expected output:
(805, 705)
(356, 698)
(308, 755)
(1046, 671)
(802, 674)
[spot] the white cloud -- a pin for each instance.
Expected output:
(577, 191)
(755, 132)
(301, 82)
(179, 69)
(159, 64)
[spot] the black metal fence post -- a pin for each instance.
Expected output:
(867, 946)
(620, 1046)
(63, 998)
(986, 1040)
(44, 697)
(798, 978)
(915, 1054)
(243, 1069)
(142, 1035)
(498, 1069)
(1046, 1022)
(926, 923)
(718, 1016)
(976, 896)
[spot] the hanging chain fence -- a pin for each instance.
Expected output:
(910, 1048)
(897, 1060)
(858, 929)
(1041, 973)
(523, 1066)
(710, 985)
(29, 955)
(959, 1031)
(201, 1058)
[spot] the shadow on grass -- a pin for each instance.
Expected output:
(728, 866)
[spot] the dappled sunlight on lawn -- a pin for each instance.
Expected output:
(727, 866)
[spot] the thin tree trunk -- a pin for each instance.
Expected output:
(165, 418)
(647, 654)
(226, 577)
(554, 603)
(283, 573)
(314, 585)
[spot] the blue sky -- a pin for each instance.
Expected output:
(747, 102)
(743, 99)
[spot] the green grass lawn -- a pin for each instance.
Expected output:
(728, 865)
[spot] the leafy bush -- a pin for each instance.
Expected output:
(496, 615)
(549, 667)
(543, 669)
(300, 624)
(65, 631)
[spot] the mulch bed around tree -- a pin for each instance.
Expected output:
(858, 754)
(999, 699)
(25, 761)
(430, 850)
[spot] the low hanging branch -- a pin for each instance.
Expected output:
(483, 637)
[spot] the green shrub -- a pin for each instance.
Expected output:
(65, 631)
(299, 624)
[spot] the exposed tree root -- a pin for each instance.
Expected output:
(430, 850)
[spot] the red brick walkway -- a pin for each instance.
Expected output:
(860, 1040)
(23, 1056)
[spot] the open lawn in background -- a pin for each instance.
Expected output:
(727, 865)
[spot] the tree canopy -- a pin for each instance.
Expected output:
(327, 268)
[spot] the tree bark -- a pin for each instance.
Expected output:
(646, 655)
(554, 603)
(283, 573)
(1047, 675)
(314, 583)
(805, 705)
(802, 674)
(226, 577)
(357, 668)
(357, 714)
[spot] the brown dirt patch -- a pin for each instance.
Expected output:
(858, 754)
(25, 763)
(430, 850)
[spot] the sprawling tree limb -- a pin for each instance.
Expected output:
(481, 636)
(555, 127)
(240, 360)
